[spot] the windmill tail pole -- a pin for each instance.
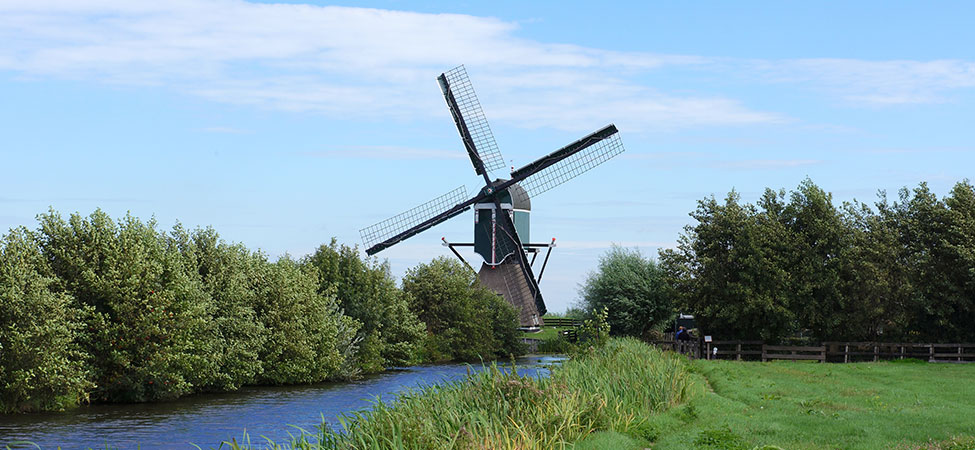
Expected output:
(545, 262)
(456, 253)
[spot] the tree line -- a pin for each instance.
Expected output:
(98, 310)
(797, 266)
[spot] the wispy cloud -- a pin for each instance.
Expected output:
(877, 83)
(347, 62)
(379, 64)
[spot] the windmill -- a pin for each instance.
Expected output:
(502, 206)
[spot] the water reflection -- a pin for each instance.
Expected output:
(208, 419)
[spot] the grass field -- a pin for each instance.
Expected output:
(796, 405)
(628, 395)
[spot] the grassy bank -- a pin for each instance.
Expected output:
(614, 388)
(630, 396)
(898, 405)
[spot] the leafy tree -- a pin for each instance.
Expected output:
(819, 243)
(729, 269)
(226, 272)
(464, 320)
(366, 291)
(632, 289)
(309, 339)
(148, 332)
(41, 364)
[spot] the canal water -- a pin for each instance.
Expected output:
(208, 419)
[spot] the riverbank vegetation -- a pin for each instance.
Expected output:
(93, 309)
(613, 387)
(629, 395)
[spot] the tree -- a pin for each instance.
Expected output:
(225, 272)
(149, 330)
(632, 289)
(820, 241)
(731, 269)
(41, 364)
(310, 339)
(464, 320)
(366, 291)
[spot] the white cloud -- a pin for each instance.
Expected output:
(346, 62)
(380, 64)
(878, 83)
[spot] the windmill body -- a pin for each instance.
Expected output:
(502, 208)
(493, 246)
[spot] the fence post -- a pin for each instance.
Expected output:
(739, 351)
(846, 353)
(930, 352)
(875, 351)
(902, 352)
(959, 352)
(764, 357)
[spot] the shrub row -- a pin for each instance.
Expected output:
(97, 310)
(897, 271)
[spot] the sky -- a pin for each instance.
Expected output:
(282, 125)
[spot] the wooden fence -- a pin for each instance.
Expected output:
(561, 322)
(841, 352)
(878, 351)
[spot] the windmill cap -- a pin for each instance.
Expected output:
(519, 197)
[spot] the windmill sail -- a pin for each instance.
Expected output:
(569, 162)
(502, 207)
(471, 123)
(413, 221)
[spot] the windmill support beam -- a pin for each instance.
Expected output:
(545, 263)
(457, 254)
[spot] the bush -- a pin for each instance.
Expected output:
(366, 291)
(226, 272)
(149, 332)
(464, 320)
(310, 340)
(632, 289)
(41, 366)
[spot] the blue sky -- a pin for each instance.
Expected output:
(282, 125)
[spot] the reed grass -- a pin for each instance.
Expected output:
(610, 388)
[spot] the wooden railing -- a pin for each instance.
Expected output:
(877, 351)
(738, 350)
(793, 353)
(561, 322)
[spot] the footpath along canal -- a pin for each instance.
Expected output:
(208, 419)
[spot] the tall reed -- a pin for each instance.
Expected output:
(615, 387)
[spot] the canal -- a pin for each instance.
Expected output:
(208, 419)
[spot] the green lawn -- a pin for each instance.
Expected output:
(545, 333)
(796, 405)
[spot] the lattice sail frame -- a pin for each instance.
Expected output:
(473, 115)
(572, 166)
(412, 217)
